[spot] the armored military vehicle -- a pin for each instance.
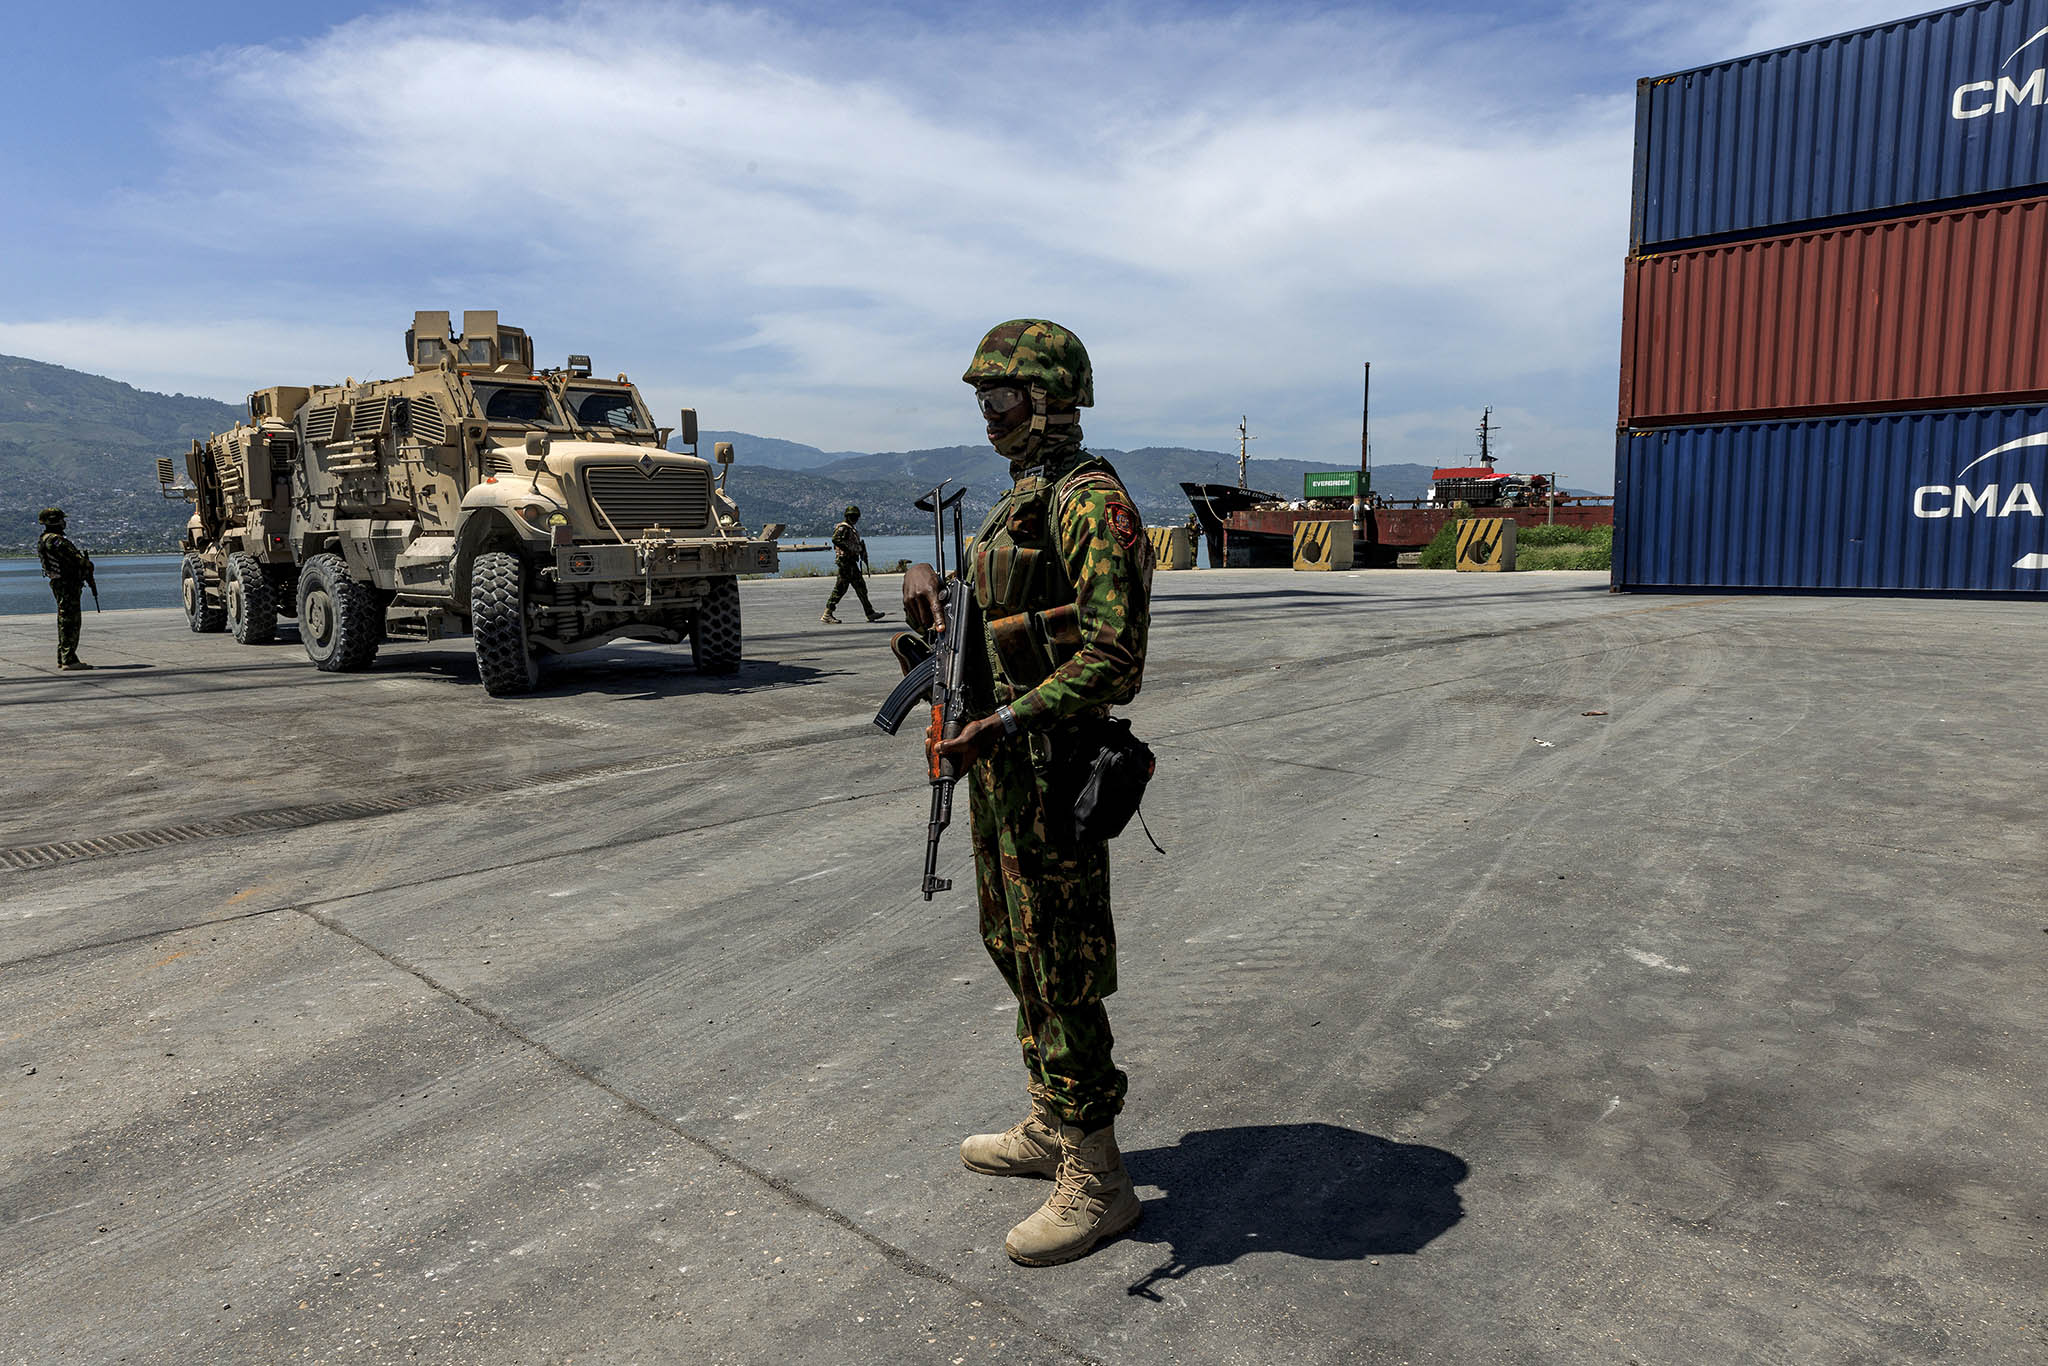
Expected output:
(540, 511)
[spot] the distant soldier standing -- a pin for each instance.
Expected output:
(849, 553)
(1062, 572)
(1194, 541)
(68, 569)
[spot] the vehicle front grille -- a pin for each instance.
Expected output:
(675, 497)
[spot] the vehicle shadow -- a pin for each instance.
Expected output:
(1304, 1190)
(651, 679)
(666, 672)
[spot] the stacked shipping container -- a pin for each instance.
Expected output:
(1774, 277)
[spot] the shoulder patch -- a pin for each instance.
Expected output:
(1123, 523)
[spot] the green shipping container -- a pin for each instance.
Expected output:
(1336, 484)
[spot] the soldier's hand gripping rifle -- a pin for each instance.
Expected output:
(941, 677)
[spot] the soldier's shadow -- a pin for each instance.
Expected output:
(1301, 1190)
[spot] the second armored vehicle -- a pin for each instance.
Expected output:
(538, 510)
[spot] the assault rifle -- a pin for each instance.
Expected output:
(941, 677)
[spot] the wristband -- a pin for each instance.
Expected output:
(1009, 720)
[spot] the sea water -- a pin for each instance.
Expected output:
(128, 581)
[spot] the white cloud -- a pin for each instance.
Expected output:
(802, 229)
(211, 358)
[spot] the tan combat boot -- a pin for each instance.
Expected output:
(828, 618)
(1030, 1147)
(1091, 1200)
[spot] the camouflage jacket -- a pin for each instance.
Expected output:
(847, 546)
(1068, 636)
(63, 562)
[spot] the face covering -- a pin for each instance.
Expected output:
(1013, 444)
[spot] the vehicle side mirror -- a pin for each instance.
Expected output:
(686, 427)
(722, 452)
(536, 446)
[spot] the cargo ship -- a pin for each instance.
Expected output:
(1251, 529)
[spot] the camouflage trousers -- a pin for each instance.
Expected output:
(1045, 919)
(69, 619)
(850, 577)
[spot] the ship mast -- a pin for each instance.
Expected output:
(1485, 438)
(1364, 414)
(1364, 455)
(1243, 455)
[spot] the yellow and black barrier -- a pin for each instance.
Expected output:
(1322, 545)
(1171, 547)
(1486, 544)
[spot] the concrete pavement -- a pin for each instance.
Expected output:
(1534, 974)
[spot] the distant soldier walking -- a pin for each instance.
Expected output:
(68, 569)
(849, 553)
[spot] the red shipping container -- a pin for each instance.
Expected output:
(1937, 310)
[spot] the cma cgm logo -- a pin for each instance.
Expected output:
(1978, 98)
(1987, 500)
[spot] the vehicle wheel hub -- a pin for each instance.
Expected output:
(319, 617)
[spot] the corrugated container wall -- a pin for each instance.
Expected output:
(1949, 106)
(1942, 310)
(1947, 502)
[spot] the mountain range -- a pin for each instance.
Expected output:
(783, 481)
(90, 443)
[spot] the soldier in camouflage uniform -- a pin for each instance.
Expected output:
(1062, 570)
(849, 553)
(69, 570)
(1194, 541)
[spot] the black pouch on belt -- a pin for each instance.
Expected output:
(1106, 770)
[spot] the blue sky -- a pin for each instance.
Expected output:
(799, 217)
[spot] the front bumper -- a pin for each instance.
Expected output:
(655, 558)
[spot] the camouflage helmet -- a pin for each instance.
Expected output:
(50, 515)
(1036, 352)
(852, 512)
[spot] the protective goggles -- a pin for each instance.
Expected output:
(999, 399)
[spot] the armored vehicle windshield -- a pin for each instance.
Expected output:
(529, 405)
(617, 409)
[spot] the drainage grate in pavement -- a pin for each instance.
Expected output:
(24, 857)
(27, 857)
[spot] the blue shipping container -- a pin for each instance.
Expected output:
(1947, 107)
(1948, 502)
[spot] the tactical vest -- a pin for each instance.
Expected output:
(1020, 578)
(58, 566)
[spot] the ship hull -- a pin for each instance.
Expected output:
(1263, 537)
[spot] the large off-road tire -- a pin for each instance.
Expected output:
(715, 635)
(203, 613)
(338, 618)
(251, 604)
(497, 625)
